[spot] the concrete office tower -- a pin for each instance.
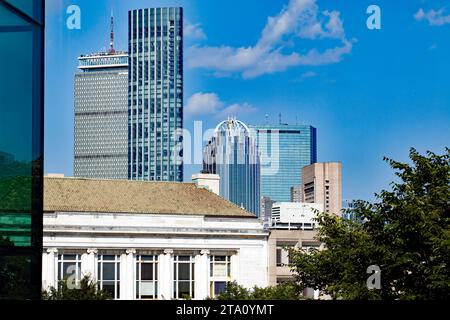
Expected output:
(266, 211)
(155, 94)
(296, 194)
(234, 156)
(285, 150)
(101, 115)
(322, 183)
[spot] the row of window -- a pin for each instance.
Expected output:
(147, 276)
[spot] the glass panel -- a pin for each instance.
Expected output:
(8, 18)
(147, 271)
(32, 8)
(15, 274)
(220, 270)
(69, 269)
(220, 258)
(148, 258)
(183, 289)
(184, 258)
(183, 271)
(109, 287)
(109, 271)
(59, 270)
(219, 287)
(147, 289)
(21, 115)
(16, 153)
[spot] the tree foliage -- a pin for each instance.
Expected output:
(284, 291)
(87, 290)
(406, 233)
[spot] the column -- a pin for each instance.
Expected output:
(44, 271)
(51, 271)
(234, 260)
(201, 275)
(89, 265)
(127, 278)
(165, 275)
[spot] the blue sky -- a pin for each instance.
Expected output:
(369, 93)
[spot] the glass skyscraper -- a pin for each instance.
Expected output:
(233, 155)
(21, 147)
(101, 115)
(155, 94)
(285, 150)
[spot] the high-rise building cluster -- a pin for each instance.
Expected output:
(258, 193)
(129, 105)
(129, 120)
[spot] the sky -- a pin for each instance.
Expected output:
(369, 93)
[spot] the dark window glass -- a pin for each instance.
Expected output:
(147, 271)
(21, 115)
(109, 271)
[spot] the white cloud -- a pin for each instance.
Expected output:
(210, 104)
(194, 31)
(203, 103)
(299, 19)
(236, 109)
(306, 75)
(434, 17)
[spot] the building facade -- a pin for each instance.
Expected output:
(139, 240)
(285, 150)
(296, 194)
(233, 155)
(295, 215)
(322, 183)
(101, 116)
(280, 241)
(348, 211)
(155, 94)
(21, 147)
(266, 211)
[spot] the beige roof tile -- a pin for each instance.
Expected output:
(122, 196)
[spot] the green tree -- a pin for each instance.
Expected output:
(284, 291)
(406, 233)
(88, 290)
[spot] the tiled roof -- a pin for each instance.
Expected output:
(122, 196)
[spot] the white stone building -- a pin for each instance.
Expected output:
(149, 240)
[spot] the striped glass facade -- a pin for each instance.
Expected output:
(21, 148)
(155, 94)
(284, 150)
(101, 116)
(233, 155)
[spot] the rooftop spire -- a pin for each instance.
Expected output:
(111, 36)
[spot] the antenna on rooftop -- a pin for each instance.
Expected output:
(267, 118)
(111, 35)
(279, 118)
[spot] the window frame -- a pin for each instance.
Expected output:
(138, 280)
(100, 281)
(176, 282)
(213, 279)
